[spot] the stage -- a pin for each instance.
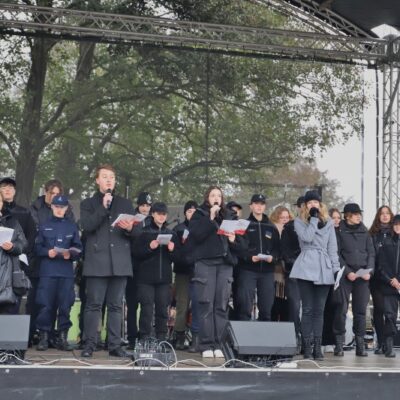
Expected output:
(61, 375)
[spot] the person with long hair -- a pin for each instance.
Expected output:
(215, 255)
(357, 256)
(314, 268)
(389, 282)
(380, 229)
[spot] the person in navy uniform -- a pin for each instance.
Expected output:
(57, 245)
(255, 272)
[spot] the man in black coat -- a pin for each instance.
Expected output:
(107, 262)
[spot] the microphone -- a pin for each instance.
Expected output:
(108, 201)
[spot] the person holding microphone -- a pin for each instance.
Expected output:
(215, 255)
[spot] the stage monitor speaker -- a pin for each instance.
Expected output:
(14, 332)
(250, 340)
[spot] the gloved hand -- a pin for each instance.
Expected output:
(314, 212)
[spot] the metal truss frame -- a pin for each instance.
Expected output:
(331, 39)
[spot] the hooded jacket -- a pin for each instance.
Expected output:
(388, 265)
(290, 247)
(261, 237)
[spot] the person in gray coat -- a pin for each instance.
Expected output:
(314, 268)
(107, 260)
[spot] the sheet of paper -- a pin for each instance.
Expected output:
(185, 235)
(23, 258)
(233, 226)
(6, 234)
(338, 277)
(164, 238)
(129, 217)
(363, 271)
(72, 250)
(264, 257)
(60, 250)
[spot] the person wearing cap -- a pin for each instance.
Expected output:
(388, 273)
(356, 253)
(107, 261)
(314, 268)
(380, 229)
(262, 238)
(57, 246)
(154, 272)
(183, 269)
(215, 254)
(290, 250)
(235, 207)
(41, 212)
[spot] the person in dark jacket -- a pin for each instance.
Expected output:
(183, 270)
(144, 202)
(107, 261)
(290, 250)
(9, 253)
(389, 275)
(41, 212)
(57, 245)
(380, 229)
(356, 253)
(215, 255)
(154, 272)
(256, 266)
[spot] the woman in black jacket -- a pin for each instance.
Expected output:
(154, 272)
(356, 253)
(215, 256)
(9, 252)
(389, 282)
(380, 229)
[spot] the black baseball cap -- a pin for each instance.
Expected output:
(189, 204)
(396, 219)
(232, 203)
(8, 181)
(159, 208)
(258, 198)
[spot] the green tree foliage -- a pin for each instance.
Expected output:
(170, 121)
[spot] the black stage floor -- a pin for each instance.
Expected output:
(61, 375)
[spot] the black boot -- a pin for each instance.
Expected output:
(389, 348)
(43, 344)
(339, 346)
(180, 340)
(62, 343)
(360, 347)
(307, 348)
(298, 344)
(194, 346)
(317, 352)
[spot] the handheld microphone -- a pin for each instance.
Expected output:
(108, 201)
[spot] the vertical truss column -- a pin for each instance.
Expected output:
(391, 138)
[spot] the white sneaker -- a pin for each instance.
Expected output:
(329, 349)
(218, 354)
(207, 354)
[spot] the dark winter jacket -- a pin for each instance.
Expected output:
(261, 237)
(27, 224)
(182, 265)
(207, 244)
(378, 240)
(62, 233)
(290, 247)
(389, 264)
(154, 266)
(9, 259)
(107, 248)
(355, 247)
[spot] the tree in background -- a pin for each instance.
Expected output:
(170, 121)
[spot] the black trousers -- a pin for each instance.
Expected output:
(212, 283)
(328, 337)
(32, 308)
(378, 312)
(131, 298)
(359, 290)
(248, 282)
(391, 307)
(111, 289)
(313, 299)
(157, 296)
(294, 302)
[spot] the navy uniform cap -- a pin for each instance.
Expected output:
(257, 198)
(60, 201)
